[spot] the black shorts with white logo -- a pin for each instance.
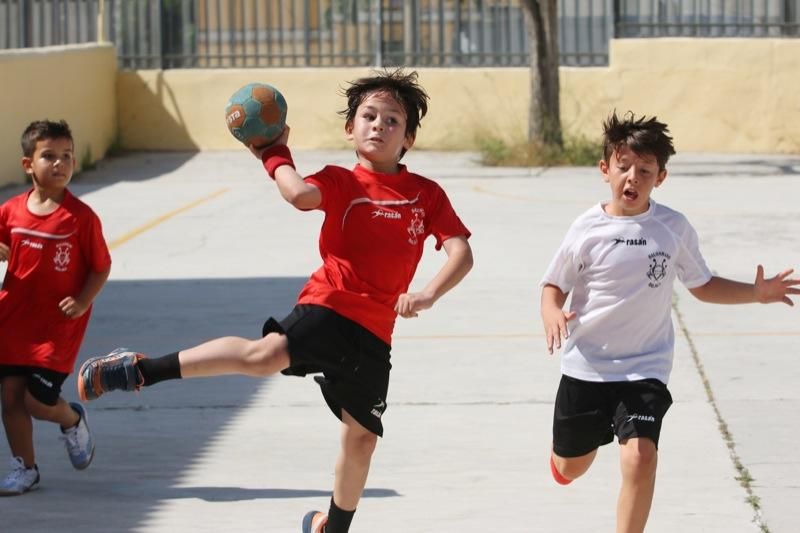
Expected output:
(588, 414)
(43, 384)
(354, 362)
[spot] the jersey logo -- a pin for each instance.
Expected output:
(630, 242)
(61, 259)
(658, 268)
(378, 205)
(384, 213)
(32, 244)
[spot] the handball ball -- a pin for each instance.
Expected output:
(256, 114)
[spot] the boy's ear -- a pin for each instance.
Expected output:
(604, 169)
(662, 175)
(409, 141)
(348, 131)
(27, 165)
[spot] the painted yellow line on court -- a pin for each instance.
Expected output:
(163, 218)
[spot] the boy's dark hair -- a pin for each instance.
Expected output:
(400, 85)
(643, 136)
(39, 130)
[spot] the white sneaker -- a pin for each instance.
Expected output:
(79, 440)
(20, 480)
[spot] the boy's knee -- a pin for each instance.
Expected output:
(361, 445)
(639, 455)
(262, 355)
(36, 408)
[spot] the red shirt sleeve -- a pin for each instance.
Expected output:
(329, 181)
(94, 245)
(445, 223)
(5, 235)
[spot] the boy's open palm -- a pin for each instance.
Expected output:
(555, 326)
(776, 288)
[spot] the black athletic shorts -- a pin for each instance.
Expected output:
(42, 383)
(588, 414)
(354, 362)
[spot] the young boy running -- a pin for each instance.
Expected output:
(377, 217)
(57, 263)
(620, 260)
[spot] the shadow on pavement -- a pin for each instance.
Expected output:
(147, 441)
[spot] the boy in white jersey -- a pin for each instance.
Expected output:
(620, 260)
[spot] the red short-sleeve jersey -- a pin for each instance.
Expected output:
(372, 240)
(51, 257)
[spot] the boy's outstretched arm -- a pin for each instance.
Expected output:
(459, 263)
(553, 316)
(725, 291)
(291, 185)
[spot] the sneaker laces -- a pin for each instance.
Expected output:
(70, 437)
(116, 376)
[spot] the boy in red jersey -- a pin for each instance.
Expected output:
(57, 264)
(377, 217)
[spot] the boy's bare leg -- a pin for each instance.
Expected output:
(61, 413)
(235, 355)
(574, 467)
(352, 465)
(16, 419)
(638, 461)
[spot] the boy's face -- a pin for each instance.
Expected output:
(378, 131)
(52, 163)
(632, 178)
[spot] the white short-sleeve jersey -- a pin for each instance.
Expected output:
(620, 271)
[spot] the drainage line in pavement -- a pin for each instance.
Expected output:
(744, 478)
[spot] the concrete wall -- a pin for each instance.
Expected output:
(723, 95)
(76, 83)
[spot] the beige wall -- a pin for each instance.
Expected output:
(722, 95)
(76, 83)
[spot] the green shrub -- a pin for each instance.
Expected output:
(576, 151)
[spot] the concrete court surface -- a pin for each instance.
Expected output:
(203, 247)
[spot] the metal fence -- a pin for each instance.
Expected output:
(329, 33)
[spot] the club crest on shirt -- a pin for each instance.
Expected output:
(61, 259)
(417, 226)
(658, 268)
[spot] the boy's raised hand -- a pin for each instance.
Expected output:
(776, 288)
(555, 326)
(5, 252)
(283, 139)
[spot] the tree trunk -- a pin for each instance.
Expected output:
(544, 117)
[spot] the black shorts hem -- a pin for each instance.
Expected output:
(564, 451)
(43, 384)
(355, 363)
(337, 402)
